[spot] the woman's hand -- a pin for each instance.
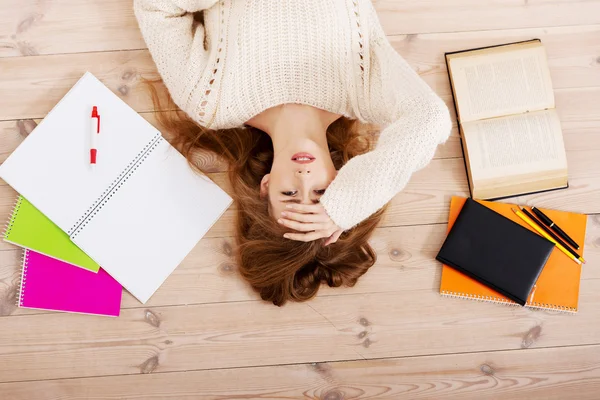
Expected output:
(312, 221)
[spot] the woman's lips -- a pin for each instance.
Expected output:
(303, 158)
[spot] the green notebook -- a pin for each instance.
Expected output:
(31, 229)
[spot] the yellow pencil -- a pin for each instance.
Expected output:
(539, 230)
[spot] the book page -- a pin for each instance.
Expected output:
(152, 221)
(501, 82)
(515, 145)
(51, 168)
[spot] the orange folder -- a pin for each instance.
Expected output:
(557, 288)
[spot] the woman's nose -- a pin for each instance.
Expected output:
(303, 172)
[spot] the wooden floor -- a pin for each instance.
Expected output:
(205, 335)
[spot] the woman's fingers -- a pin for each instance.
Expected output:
(311, 223)
(306, 237)
(306, 208)
(300, 226)
(295, 216)
(333, 238)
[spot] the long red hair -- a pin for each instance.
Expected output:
(278, 269)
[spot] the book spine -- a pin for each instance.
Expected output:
(115, 185)
(13, 217)
(459, 124)
(498, 300)
(23, 278)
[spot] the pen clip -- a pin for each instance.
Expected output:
(96, 115)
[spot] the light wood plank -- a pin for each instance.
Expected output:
(44, 80)
(406, 262)
(425, 199)
(572, 52)
(408, 16)
(329, 328)
(576, 107)
(31, 27)
(534, 374)
(394, 311)
(12, 133)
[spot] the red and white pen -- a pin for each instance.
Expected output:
(94, 132)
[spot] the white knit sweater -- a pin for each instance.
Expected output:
(251, 55)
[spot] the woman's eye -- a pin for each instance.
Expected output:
(320, 192)
(290, 193)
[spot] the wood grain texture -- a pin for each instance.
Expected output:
(423, 16)
(33, 27)
(425, 199)
(571, 66)
(242, 334)
(540, 374)
(576, 107)
(405, 262)
(205, 335)
(44, 80)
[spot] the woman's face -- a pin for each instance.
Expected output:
(299, 176)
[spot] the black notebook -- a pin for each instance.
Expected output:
(495, 251)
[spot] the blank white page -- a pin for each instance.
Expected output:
(51, 167)
(152, 221)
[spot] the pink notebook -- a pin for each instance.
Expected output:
(50, 284)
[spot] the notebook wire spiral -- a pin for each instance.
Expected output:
(13, 216)
(506, 302)
(115, 185)
(22, 278)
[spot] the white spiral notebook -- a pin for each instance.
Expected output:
(139, 212)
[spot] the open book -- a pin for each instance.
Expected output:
(511, 134)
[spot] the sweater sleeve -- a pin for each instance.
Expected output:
(416, 120)
(175, 43)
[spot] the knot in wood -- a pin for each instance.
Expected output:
(152, 318)
(28, 22)
(123, 89)
(363, 321)
(25, 126)
(398, 255)
(149, 365)
(227, 249)
(487, 370)
(128, 74)
(531, 336)
(227, 268)
(333, 394)
(8, 304)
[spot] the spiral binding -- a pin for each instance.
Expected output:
(23, 277)
(497, 300)
(489, 299)
(116, 188)
(13, 217)
(552, 307)
(114, 183)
